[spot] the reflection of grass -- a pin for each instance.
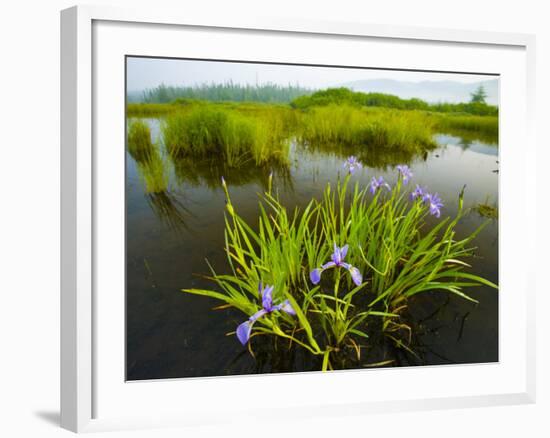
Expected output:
(374, 157)
(212, 130)
(153, 174)
(487, 210)
(483, 128)
(385, 241)
(150, 165)
(169, 209)
(208, 171)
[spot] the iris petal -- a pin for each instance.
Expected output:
(344, 251)
(328, 265)
(243, 331)
(356, 275)
(267, 297)
(315, 276)
(336, 257)
(257, 315)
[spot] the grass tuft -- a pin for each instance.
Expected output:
(232, 135)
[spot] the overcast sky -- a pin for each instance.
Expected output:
(143, 73)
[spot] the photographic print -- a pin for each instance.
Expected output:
(296, 218)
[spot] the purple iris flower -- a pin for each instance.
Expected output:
(405, 172)
(375, 184)
(418, 193)
(337, 260)
(266, 294)
(434, 202)
(352, 163)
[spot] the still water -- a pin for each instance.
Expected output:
(170, 236)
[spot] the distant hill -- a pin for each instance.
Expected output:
(430, 91)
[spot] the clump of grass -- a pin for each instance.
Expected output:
(389, 258)
(207, 130)
(140, 145)
(375, 128)
(151, 166)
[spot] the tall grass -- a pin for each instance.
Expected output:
(387, 243)
(484, 126)
(375, 128)
(238, 138)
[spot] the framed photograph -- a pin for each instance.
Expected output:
(294, 217)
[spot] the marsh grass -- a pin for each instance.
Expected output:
(151, 109)
(232, 135)
(241, 132)
(484, 128)
(388, 242)
(367, 127)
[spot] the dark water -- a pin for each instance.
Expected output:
(171, 334)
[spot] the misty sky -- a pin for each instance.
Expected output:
(143, 73)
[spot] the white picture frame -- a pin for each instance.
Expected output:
(86, 376)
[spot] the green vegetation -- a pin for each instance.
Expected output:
(372, 127)
(484, 125)
(387, 243)
(207, 130)
(229, 91)
(344, 96)
(140, 146)
(150, 164)
(149, 109)
(244, 131)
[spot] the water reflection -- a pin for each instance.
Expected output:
(169, 209)
(207, 172)
(469, 137)
(372, 157)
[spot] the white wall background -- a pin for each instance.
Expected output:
(29, 214)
